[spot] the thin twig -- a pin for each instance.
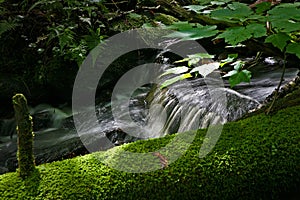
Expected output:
(278, 87)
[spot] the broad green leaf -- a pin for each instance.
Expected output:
(286, 5)
(175, 70)
(206, 69)
(286, 25)
(262, 7)
(175, 79)
(235, 35)
(278, 40)
(293, 48)
(195, 33)
(195, 8)
(242, 76)
(235, 11)
(283, 13)
(239, 6)
(257, 30)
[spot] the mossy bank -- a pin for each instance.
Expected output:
(255, 158)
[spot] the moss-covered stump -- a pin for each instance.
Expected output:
(255, 158)
(25, 136)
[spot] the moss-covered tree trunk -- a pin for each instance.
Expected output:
(25, 136)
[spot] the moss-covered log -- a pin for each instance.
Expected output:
(25, 136)
(255, 158)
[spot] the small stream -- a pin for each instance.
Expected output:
(177, 109)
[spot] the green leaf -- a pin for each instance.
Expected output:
(175, 70)
(206, 69)
(238, 65)
(201, 55)
(195, 58)
(259, 18)
(282, 13)
(262, 7)
(194, 33)
(242, 76)
(230, 73)
(193, 61)
(230, 58)
(217, 3)
(286, 25)
(278, 40)
(257, 30)
(175, 79)
(293, 48)
(235, 35)
(235, 12)
(195, 8)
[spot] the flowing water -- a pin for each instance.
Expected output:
(186, 105)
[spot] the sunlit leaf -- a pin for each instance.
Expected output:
(217, 3)
(195, 58)
(238, 65)
(195, 8)
(193, 61)
(175, 70)
(230, 58)
(194, 33)
(230, 73)
(206, 69)
(175, 79)
(201, 55)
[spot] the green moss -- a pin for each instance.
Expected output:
(255, 158)
(165, 19)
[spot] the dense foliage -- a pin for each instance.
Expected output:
(255, 158)
(42, 43)
(240, 25)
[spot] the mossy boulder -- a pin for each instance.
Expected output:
(255, 158)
